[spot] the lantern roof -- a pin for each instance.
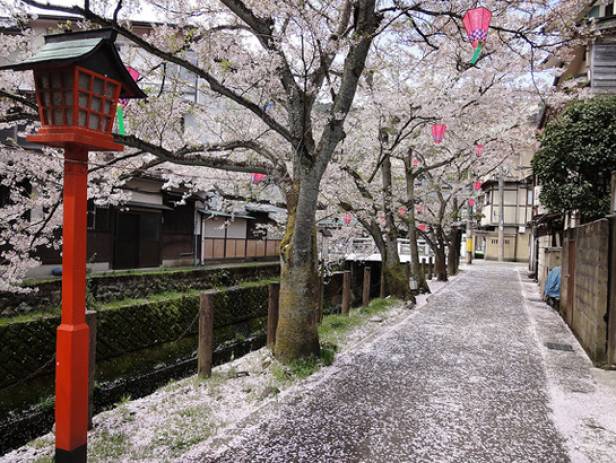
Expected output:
(94, 50)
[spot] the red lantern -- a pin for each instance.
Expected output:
(477, 186)
(402, 211)
(258, 178)
(471, 202)
(476, 23)
(346, 218)
(479, 150)
(438, 132)
(422, 227)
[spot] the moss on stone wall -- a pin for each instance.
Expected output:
(26, 346)
(108, 287)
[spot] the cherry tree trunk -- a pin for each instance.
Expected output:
(440, 266)
(394, 274)
(416, 268)
(296, 334)
(453, 255)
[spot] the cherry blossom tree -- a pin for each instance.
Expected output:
(277, 82)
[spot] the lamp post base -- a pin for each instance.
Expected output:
(78, 455)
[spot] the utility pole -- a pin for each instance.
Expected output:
(501, 215)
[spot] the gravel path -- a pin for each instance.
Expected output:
(462, 379)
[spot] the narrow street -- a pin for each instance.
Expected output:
(465, 378)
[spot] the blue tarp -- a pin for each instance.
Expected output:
(552, 284)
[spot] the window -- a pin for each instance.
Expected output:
(594, 12)
(99, 218)
(609, 9)
(91, 215)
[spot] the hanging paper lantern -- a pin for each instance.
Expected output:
(471, 202)
(346, 218)
(419, 209)
(402, 211)
(476, 23)
(479, 150)
(438, 132)
(415, 162)
(258, 178)
(422, 227)
(477, 186)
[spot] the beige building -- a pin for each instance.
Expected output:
(517, 205)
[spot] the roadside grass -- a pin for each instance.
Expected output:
(332, 332)
(334, 327)
(107, 446)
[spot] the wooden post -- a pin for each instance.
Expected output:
(91, 321)
(321, 300)
(382, 283)
(346, 292)
(206, 336)
(366, 287)
(423, 267)
(272, 314)
(430, 268)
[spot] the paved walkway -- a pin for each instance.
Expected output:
(462, 379)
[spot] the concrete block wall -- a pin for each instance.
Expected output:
(588, 314)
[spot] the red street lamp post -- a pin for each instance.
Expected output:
(79, 78)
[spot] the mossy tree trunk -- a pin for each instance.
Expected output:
(296, 334)
(394, 275)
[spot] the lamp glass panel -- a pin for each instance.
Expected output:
(44, 81)
(84, 81)
(69, 116)
(68, 97)
(105, 125)
(96, 104)
(107, 107)
(57, 98)
(56, 80)
(83, 100)
(46, 97)
(67, 77)
(82, 119)
(93, 122)
(58, 116)
(110, 89)
(98, 86)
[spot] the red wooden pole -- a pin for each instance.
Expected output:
(72, 347)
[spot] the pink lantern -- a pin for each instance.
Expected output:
(346, 218)
(402, 211)
(438, 132)
(418, 209)
(135, 75)
(471, 202)
(477, 186)
(415, 162)
(476, 23)
(479, 150)
(422, 227)
(258, 178)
